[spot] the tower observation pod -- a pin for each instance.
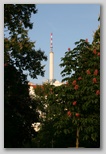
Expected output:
(51, 62)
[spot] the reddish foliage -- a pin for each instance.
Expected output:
(98, 92)
(76, 87)
(69, 113)
(77, 114)
(74, 82)
(94, 51)
(96, 72)
(34, 86)
(80, 78)
(74, 103)
(98, 54)
(68, 49)
(88, 72)
(94, 80)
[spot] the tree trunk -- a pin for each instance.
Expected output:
(77, 138)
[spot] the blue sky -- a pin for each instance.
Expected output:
(68, 23)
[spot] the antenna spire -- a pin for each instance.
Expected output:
(51, 41)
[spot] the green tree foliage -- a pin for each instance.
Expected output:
(72, 113)
(19, 55)
(84, 64)
(19, 110)
(54, 130)
(18, 49)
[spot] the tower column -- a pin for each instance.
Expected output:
(51, 67)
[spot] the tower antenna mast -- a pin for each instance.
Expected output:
(51, 42)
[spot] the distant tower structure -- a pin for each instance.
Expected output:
(51, 62)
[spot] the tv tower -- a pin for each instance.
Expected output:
(51, 62)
